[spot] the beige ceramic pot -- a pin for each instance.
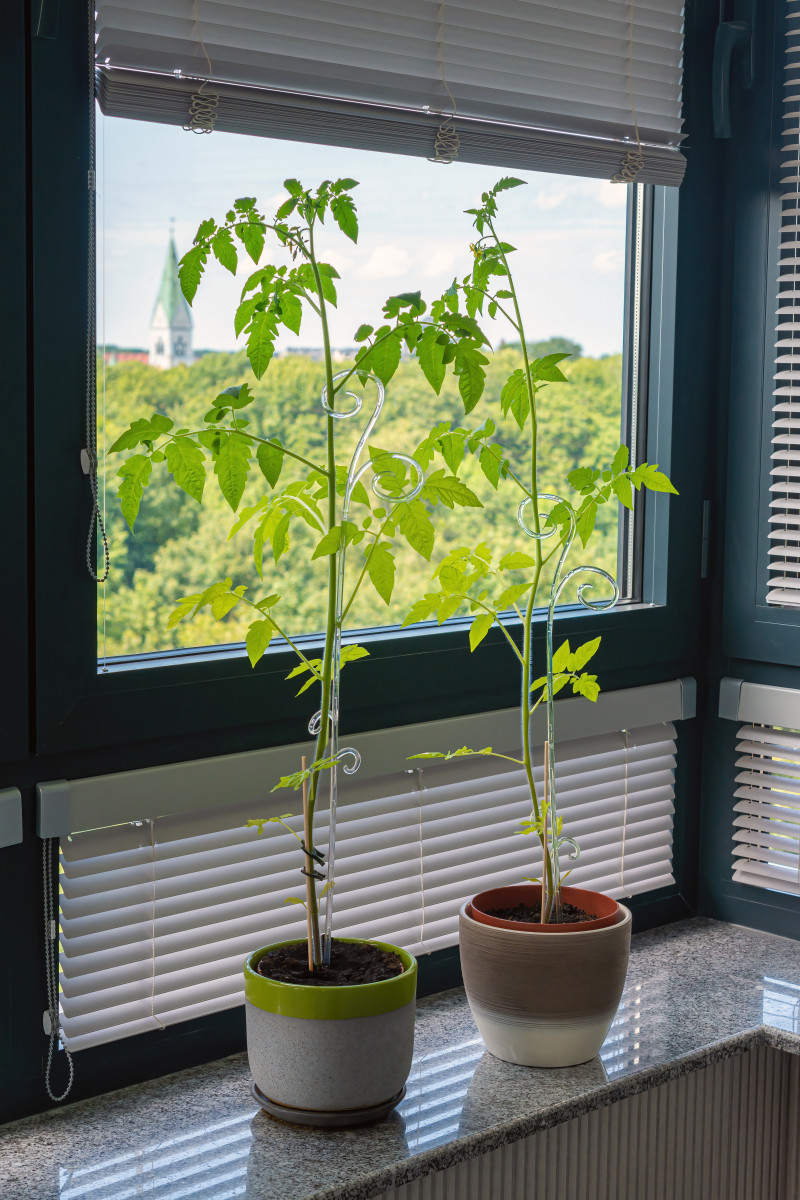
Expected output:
(544, 999)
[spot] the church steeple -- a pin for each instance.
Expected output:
(171, 324)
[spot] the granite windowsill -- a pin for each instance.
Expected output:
(698, 991)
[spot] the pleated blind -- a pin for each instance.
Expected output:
(767, 829)
(157, 916)
(579, 67)
(784, 519)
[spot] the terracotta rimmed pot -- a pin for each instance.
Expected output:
(485, 904)
(330, 1049)
(544, 999)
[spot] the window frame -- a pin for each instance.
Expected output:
(82, 725)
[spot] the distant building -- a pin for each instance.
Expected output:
(118, 354)
(171, 325)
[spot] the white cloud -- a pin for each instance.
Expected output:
(440, 261)
(607, 262)
(607, 194)
(548, 198)
(385, 262)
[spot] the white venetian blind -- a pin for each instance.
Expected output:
(157, 917)
(575, 68)
(767, 829)
(784, 519)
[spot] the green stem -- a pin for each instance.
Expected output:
(281, 632)
(529, 611)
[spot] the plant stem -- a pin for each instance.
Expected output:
(547, 890)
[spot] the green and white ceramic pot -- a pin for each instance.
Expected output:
(330, 1049)
(544, 999)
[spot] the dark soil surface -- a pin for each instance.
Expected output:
(351, 962)
(525, 912)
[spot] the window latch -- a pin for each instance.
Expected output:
(731, 36)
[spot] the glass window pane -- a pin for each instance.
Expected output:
(156, 183)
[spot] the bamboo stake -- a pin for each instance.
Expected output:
(309, 864)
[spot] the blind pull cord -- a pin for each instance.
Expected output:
(203, 105)
(624, 816)
(89, 452)
(447, 142)
(633, 162)
(52, 1023)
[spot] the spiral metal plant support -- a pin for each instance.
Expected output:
(551, 904)
(389, 496)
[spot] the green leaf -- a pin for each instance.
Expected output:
(331, 542)
(514, 396)
(468, 367)
(479, 629)
(185, 606)
(623, 490)
(190, 270)
(142, 431)
(280, 537)
(185, 462)
(261, 342)
(430, 352)
(446, 489)
(383, 358)
(270, 460)
(422, 610)
(244, 314)
(515, 560)
(561, 658)
(587, 686)
(491, 465)
(580, 478)
(222, 605)
(259, 636)
(293, 187)
(327, 274)
(452, 446)
(353, 653)
(135, 474)
(380, 568)
(232, 466)
(224, 250)
(620, 460)
(344, 214)
(291, 311)
(416, 526)
(649, 476)
(508, 181)
(585, 522)
(448, 605)
(252, 235)
(511, 594)
(583, 653)
(362, 333)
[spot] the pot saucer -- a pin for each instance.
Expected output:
(326, 1120)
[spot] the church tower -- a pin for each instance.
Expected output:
(171, 326)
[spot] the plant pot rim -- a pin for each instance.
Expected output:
(624, 918)
(531, 893)
(337, 1001)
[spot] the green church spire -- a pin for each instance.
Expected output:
(169, 293)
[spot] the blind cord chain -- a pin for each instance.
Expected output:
(89, 452)
(633, 162)
(51, 974)
(447, 142)
(203, 105)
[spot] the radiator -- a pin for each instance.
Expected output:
(725, 1132)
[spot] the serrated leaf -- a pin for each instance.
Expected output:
(224, 250)
(515, 560)
(585, 522)
(185, 606)
(430, 352)
(471, 376)
(280, 537)
(649, 476)
(186, 464)
(561, 657)
(510, 595)
(623, 490)
(491, 464)
(291, 311)
(232, 466)
(190, 270)
(261, 342)
(580, 477)
(582, 654)
(416, 527)
(244, 314)
(587, 686)
(620, 460)
(352, 653)
(286, 209)
(252, 236)
(479, 629)
(344, 214)
(381, 569)
(446, 489)
(383, 358)
(135, 474)
(259, 636)
(452, 446)
(362, 333)
(270, 460)
(222, 605)
(422, 610)
(508, 181)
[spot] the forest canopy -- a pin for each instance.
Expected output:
(180, 547)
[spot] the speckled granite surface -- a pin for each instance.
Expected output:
(697, 991)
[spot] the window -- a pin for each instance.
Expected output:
(573, 266)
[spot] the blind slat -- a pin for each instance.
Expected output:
(766, 833)
(155, 922)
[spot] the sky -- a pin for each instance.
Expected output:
(569, 233)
